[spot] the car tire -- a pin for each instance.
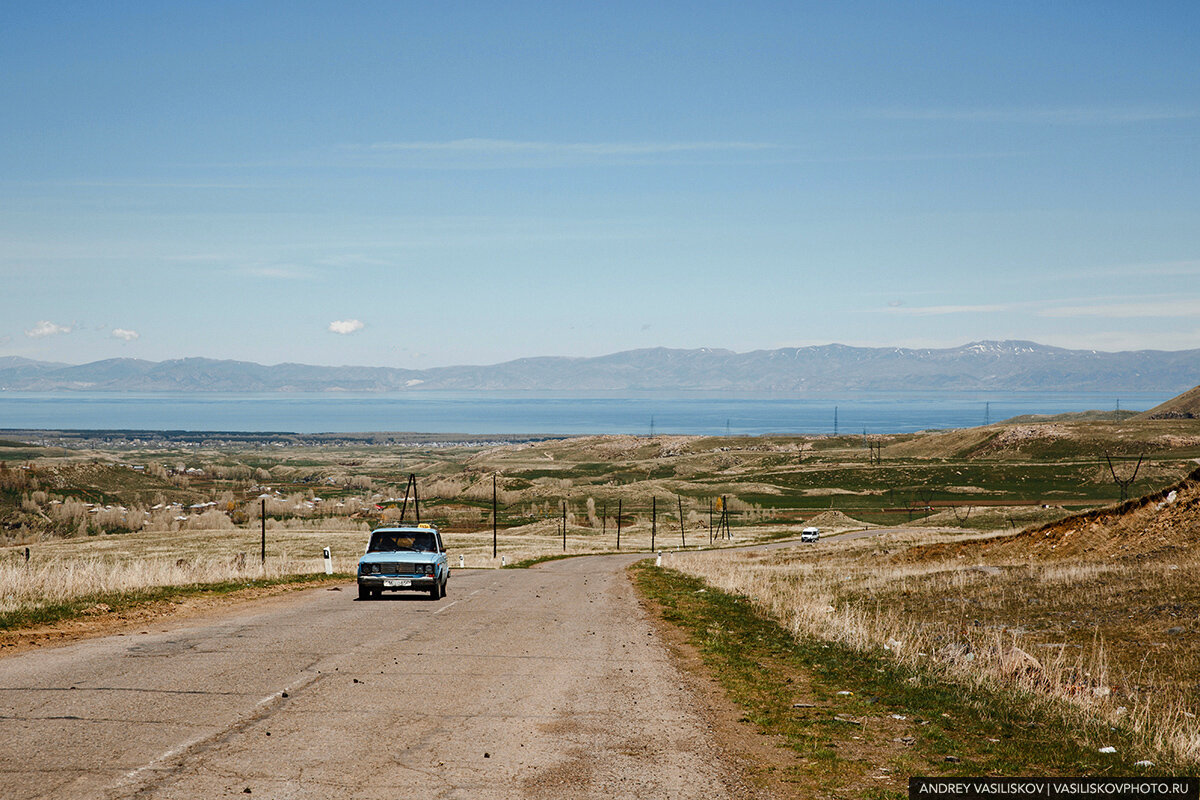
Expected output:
(435, 591)
(364, 593)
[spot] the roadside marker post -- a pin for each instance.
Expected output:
(462, 561)
(328, 561)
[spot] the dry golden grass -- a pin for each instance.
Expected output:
(62, 570)
(1064, 633)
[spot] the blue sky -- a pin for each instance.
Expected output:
(421, 184)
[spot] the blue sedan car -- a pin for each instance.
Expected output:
(403, 560)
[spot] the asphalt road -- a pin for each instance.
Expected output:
(520, 684)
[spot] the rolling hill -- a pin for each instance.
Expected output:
(1185, 406)
(979, 366)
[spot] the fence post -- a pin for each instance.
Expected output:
(653, 521)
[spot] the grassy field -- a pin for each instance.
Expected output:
(69, 575)
(1023, 473)
(1116, 639)
(856, 722)
(179, 509)
(1091, 629)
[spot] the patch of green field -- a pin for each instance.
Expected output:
(858, 722)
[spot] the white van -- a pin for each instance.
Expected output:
(810, 534)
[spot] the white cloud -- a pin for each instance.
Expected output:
(46, 328)
(1120, 341)
(126, 335)
(513, 153)
(1131, 310)
(344, 326)
(504, 146)
(279, 273)
(1078, 115)
(933, 311)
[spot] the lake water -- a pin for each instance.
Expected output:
(479, 412)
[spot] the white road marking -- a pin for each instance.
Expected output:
(445, 608)
(180, 749)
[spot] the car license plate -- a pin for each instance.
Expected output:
(396, 583)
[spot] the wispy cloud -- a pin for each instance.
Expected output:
(508, 146)
(125, 335)
(1149, 308)
(1072, 115)
(139, 184)
(934, 311)
(1118, 341)
(345, 326)
(483, 153)
(279, 273)
(46, 328)
(1185, 268)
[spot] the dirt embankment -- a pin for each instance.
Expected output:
(835, 520)
(1162, 522)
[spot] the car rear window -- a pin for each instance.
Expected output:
(390, 541)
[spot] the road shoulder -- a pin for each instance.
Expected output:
(101, 619)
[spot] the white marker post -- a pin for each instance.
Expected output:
(328, 561)
(658, 561)
(460, 560)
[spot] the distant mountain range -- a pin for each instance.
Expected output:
(1001, 366)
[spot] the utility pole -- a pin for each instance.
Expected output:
(618, 525)
(411, 485)
(1127, 482)
(263, 518)
(604, 520)
(651, 426)
(493, 516)
(835, 421)
(416, 500)
(682, 535)
(987, 413)
(711, 534)
(564, 523)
